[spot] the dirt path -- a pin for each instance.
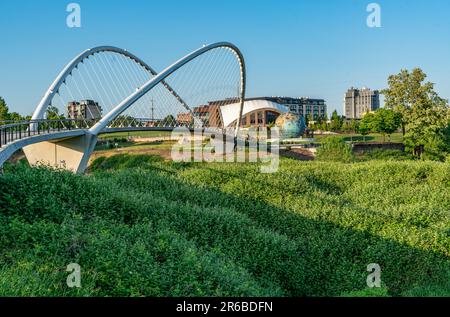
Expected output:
(298, 154)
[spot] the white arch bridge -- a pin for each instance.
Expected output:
(108, 89)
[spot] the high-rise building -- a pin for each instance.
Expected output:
(358, 102)
(85, 109)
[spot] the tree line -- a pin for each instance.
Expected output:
(5, 115)
(52, 113)
(411, 105)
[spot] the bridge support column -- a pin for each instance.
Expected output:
(71, 154)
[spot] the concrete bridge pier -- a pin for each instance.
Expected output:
(71, 153)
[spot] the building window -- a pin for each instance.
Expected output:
(271, 117)
(260, 117)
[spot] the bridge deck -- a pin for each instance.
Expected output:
(16, 136)
(17, 143)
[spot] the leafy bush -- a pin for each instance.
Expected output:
(368, 292)
(167, 229)
(335, 149)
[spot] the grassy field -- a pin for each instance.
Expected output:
(139, 225)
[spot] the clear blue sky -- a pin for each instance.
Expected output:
(315, 48)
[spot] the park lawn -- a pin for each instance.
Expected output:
(142, 226)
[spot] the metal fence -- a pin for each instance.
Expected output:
(12, 131)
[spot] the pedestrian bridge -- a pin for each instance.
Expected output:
(107, 89)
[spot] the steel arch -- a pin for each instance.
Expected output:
(83, 141)
(130, 100)
(60, 79)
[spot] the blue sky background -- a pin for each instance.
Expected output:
(315, 48)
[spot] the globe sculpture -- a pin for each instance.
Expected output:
(290, 125)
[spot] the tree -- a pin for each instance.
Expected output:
(4, 111)
(123, 121)
(313, 126)
(425, 115)
(436, 146)
(309, 119)
(385, 121)
(407, 90)
(52, 113)
(336, 121)
(15, 117)
(168, 121)
(354, 124)
(347, 127)
(365, 126)
(428, 131)
(325, 124)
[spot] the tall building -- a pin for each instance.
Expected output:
(306, 107)
(85, 109)
(357, 102)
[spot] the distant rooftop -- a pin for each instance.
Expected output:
(279, 98)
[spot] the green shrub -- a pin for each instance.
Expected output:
(170, 229)
(335, 149)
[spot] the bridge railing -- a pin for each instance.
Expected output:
(15, 130)
(148, 123)
(18, 130)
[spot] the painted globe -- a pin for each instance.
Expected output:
(290, 125)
